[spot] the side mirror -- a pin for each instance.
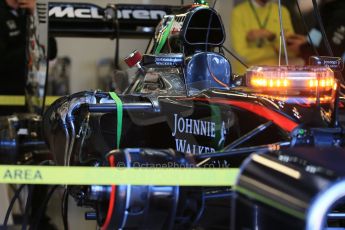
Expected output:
(154, 60)
(134, 59)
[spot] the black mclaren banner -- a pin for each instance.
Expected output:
(90, 20)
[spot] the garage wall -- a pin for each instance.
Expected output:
(85, 53)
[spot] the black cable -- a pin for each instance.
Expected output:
(43, 206)
(10, 207)
(45, 87)
(208, 31)
(13, 200)
(306, 28)
(20, 202)
(201, 211)
(64, 209)
(322, 28)
(117, 44)
(214, 3)
(27, 208)
(282, 35)
(41, 197)
(235, 56)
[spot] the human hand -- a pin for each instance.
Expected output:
(257, 34)
(295, 41)
(27, 4)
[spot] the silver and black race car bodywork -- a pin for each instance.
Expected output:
(186, 99)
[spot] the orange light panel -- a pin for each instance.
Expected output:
(303, 78)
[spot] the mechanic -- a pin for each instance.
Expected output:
(13, 65)
(14, 19)
(255, 30)
(333, 18)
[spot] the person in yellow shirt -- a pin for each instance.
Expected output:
(255, 32)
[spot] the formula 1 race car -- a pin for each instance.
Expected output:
(187, 108)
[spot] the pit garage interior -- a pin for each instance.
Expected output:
(170, 88)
